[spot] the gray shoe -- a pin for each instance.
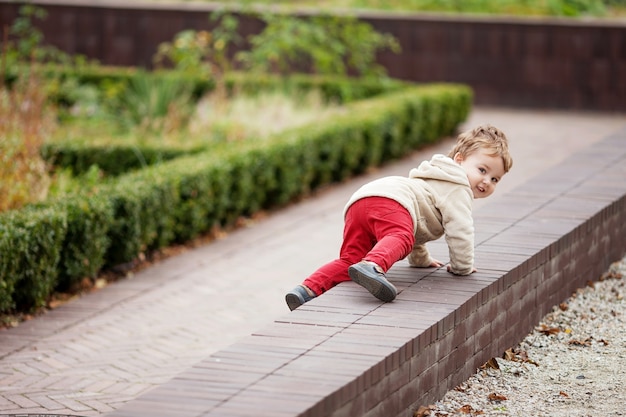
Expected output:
(296, 297)
(372, 278)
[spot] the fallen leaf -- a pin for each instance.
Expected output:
(459, 388)
(563, 306)
(546, 330)
(100, 283)
(611, 274)
(468, 409)
(423, 411)
(491, 363)
(586, 342)
(496, 397)
(52, 304)
(509, 355)
(516, 355)
(563, 394)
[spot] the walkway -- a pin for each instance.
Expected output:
(91, 355)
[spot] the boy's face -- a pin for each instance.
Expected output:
(483, 171)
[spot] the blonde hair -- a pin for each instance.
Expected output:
(485, 137)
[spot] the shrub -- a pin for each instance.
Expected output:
(154, 104)
(26, 121)
(324, 44)
(31, 241)
(86, 241)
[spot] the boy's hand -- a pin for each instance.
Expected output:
(435, 263)
(450, 270)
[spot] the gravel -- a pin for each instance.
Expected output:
(572, 364)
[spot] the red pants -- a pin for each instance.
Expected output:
(376, 229)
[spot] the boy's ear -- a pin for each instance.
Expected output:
(458, 158)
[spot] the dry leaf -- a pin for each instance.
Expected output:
(100, 283)
(547, 330)
(467, 409)
(52, 304)
(509, 355)
(496, 397)
(491, 363)
(611, 274)
(586, 342)
(563, 306)
(563, 394)
(516, 355)
(523, 356)
(423, 411)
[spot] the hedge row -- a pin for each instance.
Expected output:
(112, 159)
(115, 158)
(58, 243)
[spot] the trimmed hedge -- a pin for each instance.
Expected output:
(87, 238)
(180, 199)
(30, 242)
(113, 159)
(119, 157)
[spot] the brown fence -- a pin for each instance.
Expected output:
(541, 63)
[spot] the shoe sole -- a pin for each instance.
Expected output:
(293, 301)
(383, 290)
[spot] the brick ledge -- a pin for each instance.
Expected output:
(346, 354)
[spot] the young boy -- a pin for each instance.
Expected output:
(393, 217)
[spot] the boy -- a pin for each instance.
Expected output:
(393, 217)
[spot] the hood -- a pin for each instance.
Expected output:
(441, 168)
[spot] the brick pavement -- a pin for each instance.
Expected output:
(95, 353)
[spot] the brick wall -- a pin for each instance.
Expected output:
(544, 63)
(346, 354)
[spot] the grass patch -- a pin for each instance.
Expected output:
(256, 117)
(214, 120)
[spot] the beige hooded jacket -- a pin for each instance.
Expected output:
(438, 196)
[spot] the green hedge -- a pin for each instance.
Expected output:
(113, 159)
(180, 199)
(87, 238)
(116, 158)
(30, 244)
